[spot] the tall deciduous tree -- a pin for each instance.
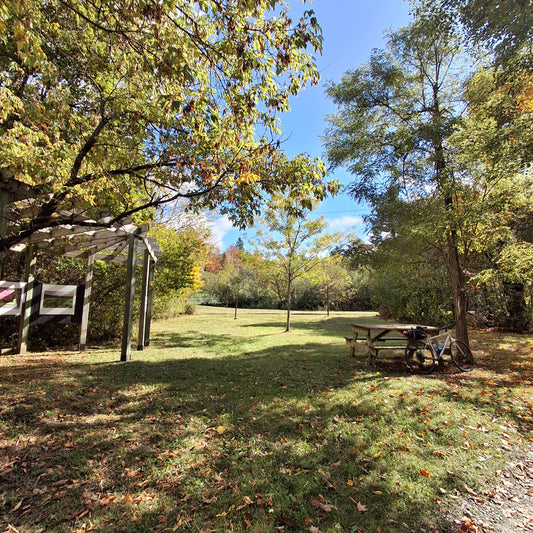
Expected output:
(494, 149)
(110, 108)
(295, 245)
(396, 113)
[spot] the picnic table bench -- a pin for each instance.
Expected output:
(378, 337)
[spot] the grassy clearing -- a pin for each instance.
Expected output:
(233, 425)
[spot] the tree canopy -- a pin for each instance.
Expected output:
(439, 143)
(111, 108)
(395, 116)
(505, 26)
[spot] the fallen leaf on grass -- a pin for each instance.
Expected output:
(17, 506)
(470, 491)
(425, 473)
(324, 506)
(327, 480)
(467, 526)
(284, 521)
(361, 508)
(107, 500)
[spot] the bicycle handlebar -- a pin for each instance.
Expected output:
(447, 327)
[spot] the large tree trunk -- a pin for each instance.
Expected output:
(455, 271)
(457, 282)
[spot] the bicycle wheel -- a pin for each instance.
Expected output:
(462, 356)
(420, 360)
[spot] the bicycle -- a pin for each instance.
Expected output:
(422, 351)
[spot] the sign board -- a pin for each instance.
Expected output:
(11, 297)
(58, 299)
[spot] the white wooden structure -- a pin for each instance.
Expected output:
(90, 240)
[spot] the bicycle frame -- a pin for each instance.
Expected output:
(438, 347)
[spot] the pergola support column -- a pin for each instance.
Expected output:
(149, 303)
(125, 354)
(27, 295)
(86, 302)
(147, 264)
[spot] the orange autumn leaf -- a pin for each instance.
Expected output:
(425, 473)
(467, 526)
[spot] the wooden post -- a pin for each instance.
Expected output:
(144, 300)
(5, 198)
(149, 303)
(86, 302)
(27, 295)
(128, 300)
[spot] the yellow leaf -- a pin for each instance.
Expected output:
(221, 429)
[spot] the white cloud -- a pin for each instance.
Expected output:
(346, 223)
(219, 227)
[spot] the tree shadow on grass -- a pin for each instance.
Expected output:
(321, 325)
(310, 438)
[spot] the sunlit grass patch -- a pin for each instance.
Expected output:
(226, 424)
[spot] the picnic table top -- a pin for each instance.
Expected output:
(392, 327)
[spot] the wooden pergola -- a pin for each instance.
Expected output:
(91, 240)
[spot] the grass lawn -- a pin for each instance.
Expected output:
(233, 425)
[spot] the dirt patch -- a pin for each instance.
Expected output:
(506, 505)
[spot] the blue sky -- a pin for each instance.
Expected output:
(351, 29)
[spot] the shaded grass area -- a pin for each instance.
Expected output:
(233, 425)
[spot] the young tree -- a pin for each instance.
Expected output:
(294, 245)
(334, 279)
(396, 113)
(112, 108)
(232, 277)
(178, 269)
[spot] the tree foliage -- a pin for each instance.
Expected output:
(332, 280)
(112, 108)
(395, 116)
(178, 270)
(505, 27)
(295, 246)
(495, 149)
(443, 155)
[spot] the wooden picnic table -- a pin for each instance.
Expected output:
(377, 336)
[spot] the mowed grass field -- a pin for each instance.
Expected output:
(234, 425)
